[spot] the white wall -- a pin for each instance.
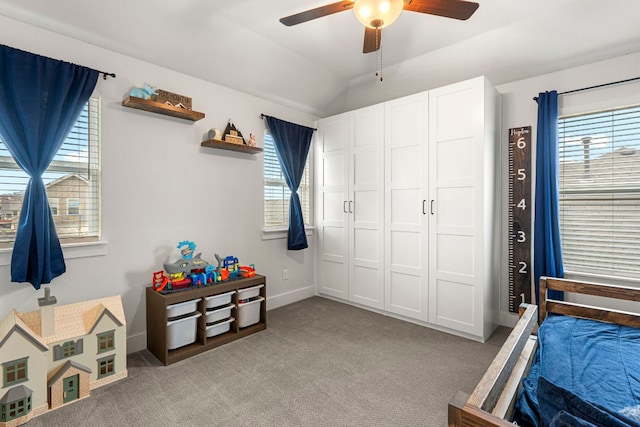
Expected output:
(519, 109)
(160, 187)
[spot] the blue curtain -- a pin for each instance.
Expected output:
(40, 100)
(547, 251)
(292, 144)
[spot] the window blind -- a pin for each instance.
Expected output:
(599, 185)
(72, 182)
(276, 192)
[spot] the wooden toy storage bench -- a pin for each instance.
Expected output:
(157, 331)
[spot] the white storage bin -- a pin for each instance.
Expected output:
(182, 308)
(182, 332)
(219, 313)
(249, 312)
(218, 300)
(247, 293)
(219, 328)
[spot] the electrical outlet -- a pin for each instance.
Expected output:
(285, 274)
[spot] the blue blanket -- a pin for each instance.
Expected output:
(585, 373)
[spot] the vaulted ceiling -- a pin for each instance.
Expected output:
(316, 65)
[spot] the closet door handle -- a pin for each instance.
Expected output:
(423, 206)
(344, 206)
(350, 201)
(432, 207)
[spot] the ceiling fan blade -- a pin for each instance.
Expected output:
(318, 12)
(372, 39)
(456, 9)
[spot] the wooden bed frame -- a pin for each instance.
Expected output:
(492, 401)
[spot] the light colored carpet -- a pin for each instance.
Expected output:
(319, 363)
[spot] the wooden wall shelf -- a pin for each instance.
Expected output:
(160, 108)
(216, 143)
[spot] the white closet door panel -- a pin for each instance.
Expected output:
(406, 244)
(364, 208)
(332, 209)
(457, 159)
(456, 306)
(455, 207)
(362, 291)
(404, 294)
(455, 254)
(334, 242)
(331, 195)
(334, 170)
(365, 247)
(333, 277)
(367, 211)
(406, 208)
(457, 113)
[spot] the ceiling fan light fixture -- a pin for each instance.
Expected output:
(377, 13)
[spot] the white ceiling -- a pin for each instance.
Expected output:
(242, 45)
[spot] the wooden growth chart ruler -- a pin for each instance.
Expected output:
(520, 206)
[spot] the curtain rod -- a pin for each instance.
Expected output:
(262, 116)
(105, 74)
(535, 98)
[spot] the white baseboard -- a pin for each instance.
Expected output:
(276, 301)
(138, 341)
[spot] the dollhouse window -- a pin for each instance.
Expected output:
(15, 372)
(68, 349)
(106, 366)
(16, 409)
(106, 341)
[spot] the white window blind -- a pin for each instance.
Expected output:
(599, 182)
(72, 182)
(276, 192)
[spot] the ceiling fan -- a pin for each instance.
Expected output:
(377, 14)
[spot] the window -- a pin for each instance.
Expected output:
(16, 409)
(15, 372)
(106, 366)
(276, 192)
(68, 349)
(599, 183)
(73, 206)
(105, 341)
(72, 178)
(53, 204)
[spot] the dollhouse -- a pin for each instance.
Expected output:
(57, 354)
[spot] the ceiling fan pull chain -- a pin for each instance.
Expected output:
(379, 56)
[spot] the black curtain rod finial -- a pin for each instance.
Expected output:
(105, 75)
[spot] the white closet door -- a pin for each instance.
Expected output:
(331, 205)
(406, 206)
(456, 180)
(366, 206)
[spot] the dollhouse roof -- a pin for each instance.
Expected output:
(75, 320)
(13, 323)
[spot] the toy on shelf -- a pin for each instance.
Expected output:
(145, 92)
(192, 271)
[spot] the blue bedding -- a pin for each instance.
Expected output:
(585, 373)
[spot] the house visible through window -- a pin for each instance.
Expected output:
(72, 182)
(599, 183)
(276, 192)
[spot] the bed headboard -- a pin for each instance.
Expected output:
(580, 310)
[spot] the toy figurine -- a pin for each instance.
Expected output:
(144, 92)
(252, 140)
